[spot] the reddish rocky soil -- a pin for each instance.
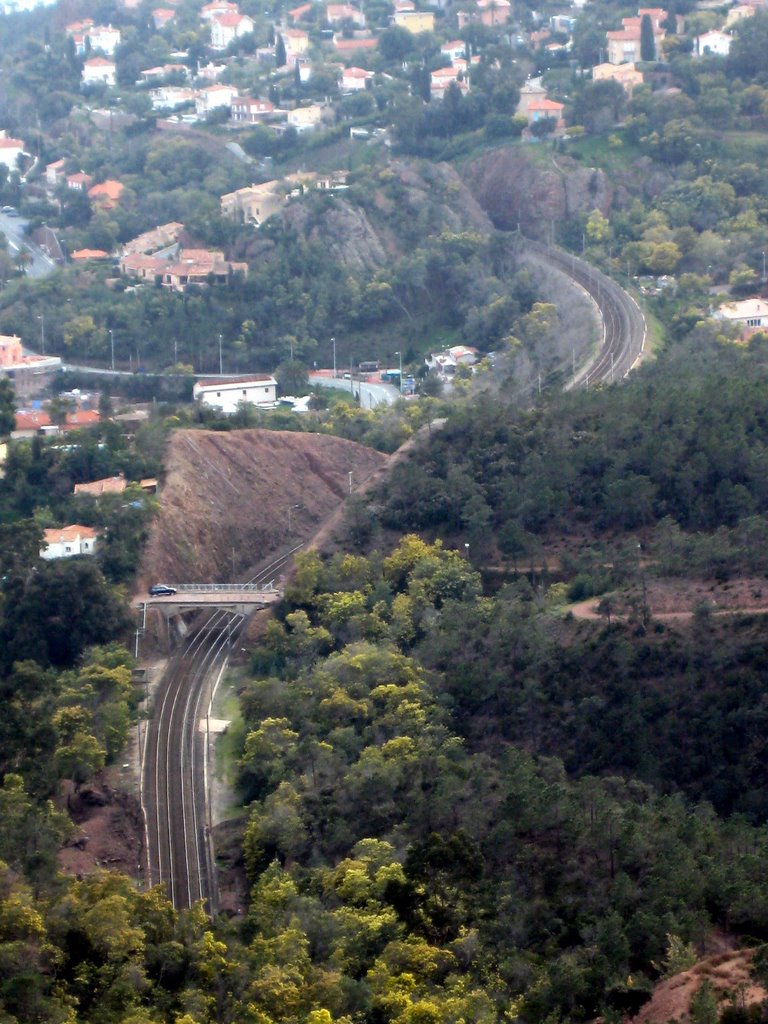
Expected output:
(728, 973)
(226, 498)
(678, 598)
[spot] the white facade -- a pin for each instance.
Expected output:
(718, 44)
(99, 69)
(68, 541)
(225, 28)
(227, 395)
(745, 313)
(104, 38)
(10, 151)
(213, 97)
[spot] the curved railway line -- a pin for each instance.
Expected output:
(174, 764)
(623, 322)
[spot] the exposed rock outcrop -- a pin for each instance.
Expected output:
(516, 188)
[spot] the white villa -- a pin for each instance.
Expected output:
(227, 394)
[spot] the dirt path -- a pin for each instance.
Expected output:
(588, 610)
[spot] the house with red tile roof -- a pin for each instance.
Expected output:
(69, 541)
(79, 181)
(106, 194)
(107, 485)
(82, 255)
(10, 151)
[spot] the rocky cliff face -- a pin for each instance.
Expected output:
(388, 213)
(515, 188)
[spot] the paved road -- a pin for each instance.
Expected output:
(13, 229)
(370, 394)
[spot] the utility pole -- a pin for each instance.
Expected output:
(41, 318)
(112, 346)
(221, 361)
(400, 357)
(333, 342)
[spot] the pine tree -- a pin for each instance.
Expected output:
(647, 42)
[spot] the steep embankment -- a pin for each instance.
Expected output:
(232, 501)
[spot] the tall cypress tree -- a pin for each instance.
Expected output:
(647, 42)
(280, 58)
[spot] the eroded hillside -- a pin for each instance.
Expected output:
(232, 501)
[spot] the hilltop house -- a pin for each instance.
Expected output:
(624, 44)
(96, 488)
(227, 27)
(213, 98)
(227, 394)
(99, 70)
(250, 110)
(749, 315)
(106, 195)
(68, 541)
(626, 75)
(714, 43)
(336, 14)
(415, 21)
(10, 151)
(254, 203)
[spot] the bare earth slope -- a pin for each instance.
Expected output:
(729, 975)
(226, 499)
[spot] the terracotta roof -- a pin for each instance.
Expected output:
(32, 419)
(62, 534)
(109, 485)
(89, 254)
(107, 190)
(99, 62)
(350, 45)
(257, 378)
(230, 18)
(11, 144)
(545, 105)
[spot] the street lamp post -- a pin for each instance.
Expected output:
(112, 346)
(221, 361)
(333, 342)
(400, 357)
(764, 278)
(41, 318)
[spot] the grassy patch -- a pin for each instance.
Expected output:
(598, 151)
(229, 743)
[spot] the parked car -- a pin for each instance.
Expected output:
(10, 211)
(161, 590)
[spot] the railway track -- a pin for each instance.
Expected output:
(624, 327)
(174, 769)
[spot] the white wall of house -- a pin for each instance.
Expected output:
(69, 542)
(228, 395)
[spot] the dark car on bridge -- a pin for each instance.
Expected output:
(161, 590)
